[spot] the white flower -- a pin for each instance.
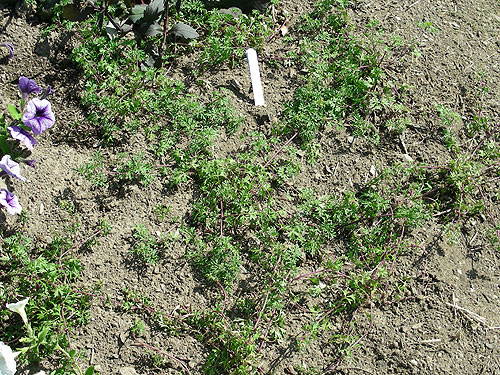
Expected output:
(18, 307)
(7, 360)
(40, 373)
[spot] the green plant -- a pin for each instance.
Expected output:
(161, 212)
(146, 247)
(94, 170)
(428, 25)
(342, 85)
(47, 274)
(229, 353)
(138, 327)
(135, 169)
(227, 36)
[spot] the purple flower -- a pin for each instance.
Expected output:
(30, 162)
(11, 167)
(10, 47)
(38, 116)
(28, 86)
(48, 91)
(22, 135)
(10, 202)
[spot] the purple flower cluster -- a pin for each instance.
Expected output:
(37, 117)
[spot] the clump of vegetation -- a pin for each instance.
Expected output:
(345, 85)
(249, 214)
(146, 247)
(47, 275)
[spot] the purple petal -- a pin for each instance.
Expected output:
(10, 202)
(48, 91)
(38, 116)
(11, 167)
(10, 47)
(28, 86)
(22, 135)
(30, 162)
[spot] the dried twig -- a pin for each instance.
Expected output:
(280, 149)
(164, 353)
(471, 315)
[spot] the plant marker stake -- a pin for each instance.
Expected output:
(253, 66)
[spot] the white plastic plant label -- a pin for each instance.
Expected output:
(253, 66)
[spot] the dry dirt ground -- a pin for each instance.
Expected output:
(449, 323)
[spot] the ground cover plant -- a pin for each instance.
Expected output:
(199, 234)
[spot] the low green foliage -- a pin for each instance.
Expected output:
(229, 353)
(47, 273)
(227, 36)
(146, 247)
(134, 169)
(248, 222)
(342, 86)
(94, 171)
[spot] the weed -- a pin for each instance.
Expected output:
(94, 171)
(146, 247)
(229, 352)
(448, 117)
(342, 83)
(398, 125)
(161, 212)
(428, 26)
(135, 169)
(47, 274)
(227, 36)
(138, 328)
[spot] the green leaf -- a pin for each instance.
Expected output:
(137, 13)
(154, 10)
(43, 334)
(14, 113)
(153, 30)
(184, 31)
(89, 371)
(4, 146)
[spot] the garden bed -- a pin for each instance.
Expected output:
(350, 226)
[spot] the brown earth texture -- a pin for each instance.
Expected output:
(448, 319)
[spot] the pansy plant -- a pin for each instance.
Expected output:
(33, 117)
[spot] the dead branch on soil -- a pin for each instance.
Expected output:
(471, 315)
